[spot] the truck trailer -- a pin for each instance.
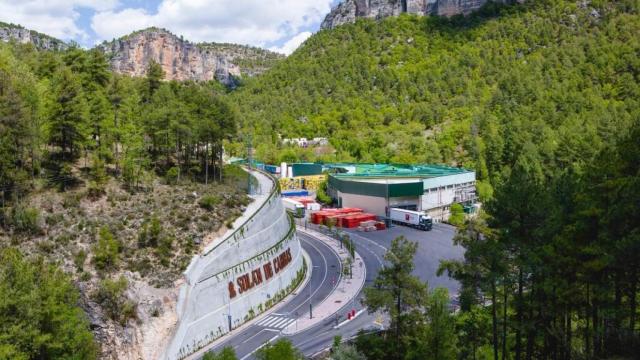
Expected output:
(416, 219)
(296, 208)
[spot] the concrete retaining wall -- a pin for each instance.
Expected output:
(263, 257)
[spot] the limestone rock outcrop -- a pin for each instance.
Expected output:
(9, 32)
(181, 59)
(349, 10)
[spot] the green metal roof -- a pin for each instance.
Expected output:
(398, 170)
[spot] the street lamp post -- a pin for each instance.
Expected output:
(310, 305)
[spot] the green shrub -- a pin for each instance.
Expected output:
(54, 219)
(150, 233)
(110, 295)
(79, 258)
(321, 194)
(209, 202)
(95, 190)
(457, 215)
(71, 200)
(40, 315)
(98, 171)
(172, 175)
(227, 353)
(105, 252)
(25, 220)
(164, 249)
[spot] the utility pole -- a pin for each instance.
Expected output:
(310, 305)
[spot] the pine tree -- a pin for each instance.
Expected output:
(68, 114)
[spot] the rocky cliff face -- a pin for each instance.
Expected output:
(21, 35)
(349, 10)
(181, 59)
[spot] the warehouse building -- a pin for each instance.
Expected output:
(377, 187)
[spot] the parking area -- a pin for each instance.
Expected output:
(433, 246)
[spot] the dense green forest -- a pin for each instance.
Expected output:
(470, 91)
(97, 173)
(542, 100)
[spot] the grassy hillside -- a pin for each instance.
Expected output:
(469, 91)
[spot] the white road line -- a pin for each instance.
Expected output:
(260, 347)
(271, 321)
(256, 334)
(323, 279)
(284, 324)
(279, 322)
(263, 321)
(371, 251)
(337, 281)
(291, 321)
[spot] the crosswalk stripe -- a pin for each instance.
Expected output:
(278, 323)
(286, 325)
(271, 321)
(261, 322)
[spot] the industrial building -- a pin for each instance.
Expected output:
(377, 187)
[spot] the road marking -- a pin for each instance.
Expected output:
(280, 322)
(259, 347)
(276, 322)
(326, 271)
(258, 333)
(346, 321)
(270, 320)
(372, 252)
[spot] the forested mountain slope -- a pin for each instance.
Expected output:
(542, 100)
(469, 91)
(108, 187)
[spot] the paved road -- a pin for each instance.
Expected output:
(432, 247)
(324, 278)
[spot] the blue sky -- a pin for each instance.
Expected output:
(280, 25)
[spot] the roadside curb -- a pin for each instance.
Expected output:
(348, 320)
(342, 282)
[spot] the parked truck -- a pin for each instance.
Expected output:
(296, 208)
(416, 219)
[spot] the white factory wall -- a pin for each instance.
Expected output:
(204, 304)
(436, 198)
(370, 204)
(440, 193)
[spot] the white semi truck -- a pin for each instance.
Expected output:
(296, 208)
(416, 219)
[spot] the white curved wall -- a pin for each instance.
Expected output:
(204, 303)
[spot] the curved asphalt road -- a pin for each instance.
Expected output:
(321, 336)
(434, 245)
(324, 278)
